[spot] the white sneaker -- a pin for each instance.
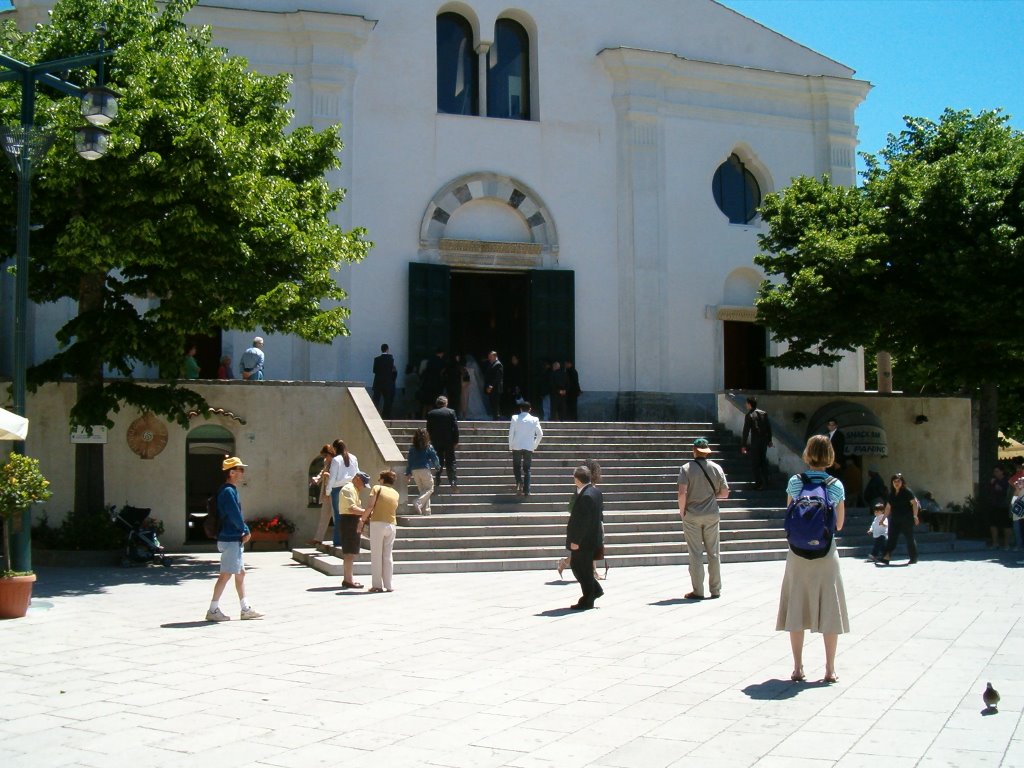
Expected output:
(217, 615)
(251, 613)
(417, 507)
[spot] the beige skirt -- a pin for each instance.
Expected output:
(812, 595)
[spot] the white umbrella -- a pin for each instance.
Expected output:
(12, 426)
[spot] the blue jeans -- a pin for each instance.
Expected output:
(336, 532)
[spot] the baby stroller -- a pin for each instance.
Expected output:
(142, 545)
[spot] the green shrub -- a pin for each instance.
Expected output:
(79, 531)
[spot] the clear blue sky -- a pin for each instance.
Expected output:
(921, 56)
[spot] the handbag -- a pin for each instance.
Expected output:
(599, 555)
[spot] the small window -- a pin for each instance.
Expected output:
(737, 193)
(508, 72)
(456, 66)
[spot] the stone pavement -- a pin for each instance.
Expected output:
(115, 667)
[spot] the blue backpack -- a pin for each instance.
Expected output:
(811, 518)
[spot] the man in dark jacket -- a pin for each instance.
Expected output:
(584, 536)
(384, 375)
(443, 428)
(494, 380)
(757, 439)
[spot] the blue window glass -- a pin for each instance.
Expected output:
(456, 66)
(737, 193)
(508, 72)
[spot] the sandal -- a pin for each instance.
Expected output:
(833, 678)
(374, 590)
(798, 676)
(351, 585)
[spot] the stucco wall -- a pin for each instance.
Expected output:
(285, 423)
(937, 455)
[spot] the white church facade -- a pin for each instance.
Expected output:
(571, 180)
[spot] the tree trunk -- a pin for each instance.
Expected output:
(988, 431)
(90, 489)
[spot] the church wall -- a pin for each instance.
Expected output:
(622, 155)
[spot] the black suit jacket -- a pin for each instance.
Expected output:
(384, 372)
(839, 446)
(495, 376)
(757, 427)
(443, 428)
(585, 518)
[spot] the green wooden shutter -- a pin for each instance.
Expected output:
(429, 309)
(552, 320)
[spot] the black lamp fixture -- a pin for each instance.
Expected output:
(799, 417)
(920, 419)
(99, 108)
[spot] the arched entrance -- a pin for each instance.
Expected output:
(205, 449)
(487, 278)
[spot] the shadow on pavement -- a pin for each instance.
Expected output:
(558, 612)
(58, 582)
(780, 689)
(676, 601)
(187, 624)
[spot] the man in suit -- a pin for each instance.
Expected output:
(584, 536)
(384, 375)
(443, 428)
(838, 446)
(559, 387)
(757, 433)
(494, 380)
(572, 391)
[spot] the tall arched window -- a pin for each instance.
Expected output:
(737, 192)
(456, 66)
(508, 72)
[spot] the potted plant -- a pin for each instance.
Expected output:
(276, 529)
(21, 485)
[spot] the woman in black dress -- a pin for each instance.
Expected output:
(902, 510)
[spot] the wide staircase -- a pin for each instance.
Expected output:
(486, 527)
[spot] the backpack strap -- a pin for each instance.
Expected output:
(713, 488)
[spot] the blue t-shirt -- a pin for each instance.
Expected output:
(836, 492)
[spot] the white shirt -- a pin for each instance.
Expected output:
(524, 432)
(340, 474)
(879, 526)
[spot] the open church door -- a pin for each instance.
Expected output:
(429, 310)
(552, 322)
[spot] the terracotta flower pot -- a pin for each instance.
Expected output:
(15, 595)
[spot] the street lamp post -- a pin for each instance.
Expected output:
(25, 146)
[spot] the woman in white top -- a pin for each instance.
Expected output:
(344, 467)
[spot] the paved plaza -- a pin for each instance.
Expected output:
(115, 667)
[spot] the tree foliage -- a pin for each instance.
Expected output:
(920, 261)
(206, 213)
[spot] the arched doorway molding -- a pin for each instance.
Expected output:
(539, 249)
(205, 448)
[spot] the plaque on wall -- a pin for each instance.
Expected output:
(147, 436)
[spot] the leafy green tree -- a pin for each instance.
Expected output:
(923, 261)
(206, 213)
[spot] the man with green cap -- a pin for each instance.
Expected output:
(701, 484)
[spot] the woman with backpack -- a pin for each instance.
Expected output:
(812, 589)
(902, 509)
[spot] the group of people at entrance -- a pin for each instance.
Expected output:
(475, 390)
